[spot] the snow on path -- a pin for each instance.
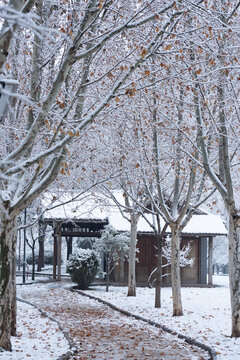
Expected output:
(101, 333)
(207, 314)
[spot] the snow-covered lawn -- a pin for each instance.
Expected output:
(29, 280)
(38, 338)
(206, 317)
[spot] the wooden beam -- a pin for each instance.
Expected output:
(81, 233)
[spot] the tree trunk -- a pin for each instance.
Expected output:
(42, 254)
(175, 272)
(33, 262)
(107, 273)
(13, 277)
(19, 249)
(158, 273)
(132, 256)
(7, 251)
(234, 271)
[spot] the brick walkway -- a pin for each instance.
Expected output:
(99, 332)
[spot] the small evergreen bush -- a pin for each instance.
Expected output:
(48, 257)
(83, 266)
(29, 259)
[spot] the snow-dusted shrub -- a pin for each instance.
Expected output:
(83, 266)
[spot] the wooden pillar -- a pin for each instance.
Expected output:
(121, 270)
(54, 257)
(41, 238)
(210, 260)
(69, 246)
(202, 260)
(59, 249)
(40, 254)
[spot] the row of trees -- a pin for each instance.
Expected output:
(142, 93)
(187, 129)
(62, 55)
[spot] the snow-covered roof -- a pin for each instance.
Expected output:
(70, 207)
(99, 208)
(208, 224)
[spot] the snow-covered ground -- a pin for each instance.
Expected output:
(37, 337)
(206, 319)
(28, 279)
(98, 332)
(207, 316)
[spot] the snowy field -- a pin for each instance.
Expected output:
(38, 338)
(206, 313)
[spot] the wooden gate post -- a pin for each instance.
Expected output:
(59, 249)
(210, 260)
(54, 256)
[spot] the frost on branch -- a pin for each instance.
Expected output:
(113, 246)
(4, 196)
(166, 254)
(184, 253)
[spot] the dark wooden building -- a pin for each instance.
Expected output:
(201, 252)
(71, 220)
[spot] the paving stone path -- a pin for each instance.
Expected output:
(101, 333)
